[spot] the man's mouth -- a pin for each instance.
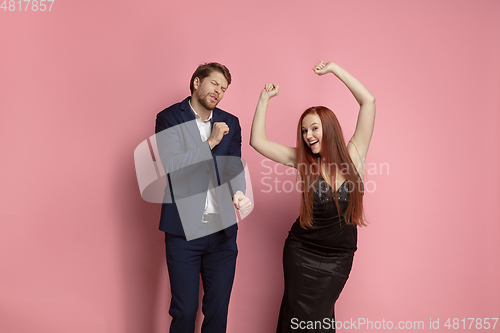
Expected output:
(214, 98)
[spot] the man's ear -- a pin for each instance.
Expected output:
(196, 82)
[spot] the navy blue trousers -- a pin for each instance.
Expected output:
(214, 258)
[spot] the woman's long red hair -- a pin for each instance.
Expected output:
(335, 157)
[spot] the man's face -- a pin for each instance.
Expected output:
(210, 91)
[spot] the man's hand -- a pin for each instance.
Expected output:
(241, 202)
(218, 131)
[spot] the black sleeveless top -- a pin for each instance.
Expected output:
(330, 233)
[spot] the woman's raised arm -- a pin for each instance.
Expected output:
(258, 138)
(360, 141)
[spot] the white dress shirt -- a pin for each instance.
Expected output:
(205, 127)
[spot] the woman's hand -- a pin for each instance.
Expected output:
(270, 90)
(321, 68)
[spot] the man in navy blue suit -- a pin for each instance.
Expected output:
(200, 149)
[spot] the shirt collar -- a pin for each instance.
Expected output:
(197, 116)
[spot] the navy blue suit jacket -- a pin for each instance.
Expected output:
(183, 153)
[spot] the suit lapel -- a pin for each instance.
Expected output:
(217, 118)
(189, 121)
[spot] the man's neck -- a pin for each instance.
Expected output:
(200, 110)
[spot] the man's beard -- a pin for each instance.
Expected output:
(206, 103)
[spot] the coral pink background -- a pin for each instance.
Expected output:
(80, 88)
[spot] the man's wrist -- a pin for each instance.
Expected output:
(211, 144)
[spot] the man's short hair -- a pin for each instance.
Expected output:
(206, 69)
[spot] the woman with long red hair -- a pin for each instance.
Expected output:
(319, 250)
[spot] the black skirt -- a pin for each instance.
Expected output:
(314, 279)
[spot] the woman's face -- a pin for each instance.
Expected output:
(312, 132)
